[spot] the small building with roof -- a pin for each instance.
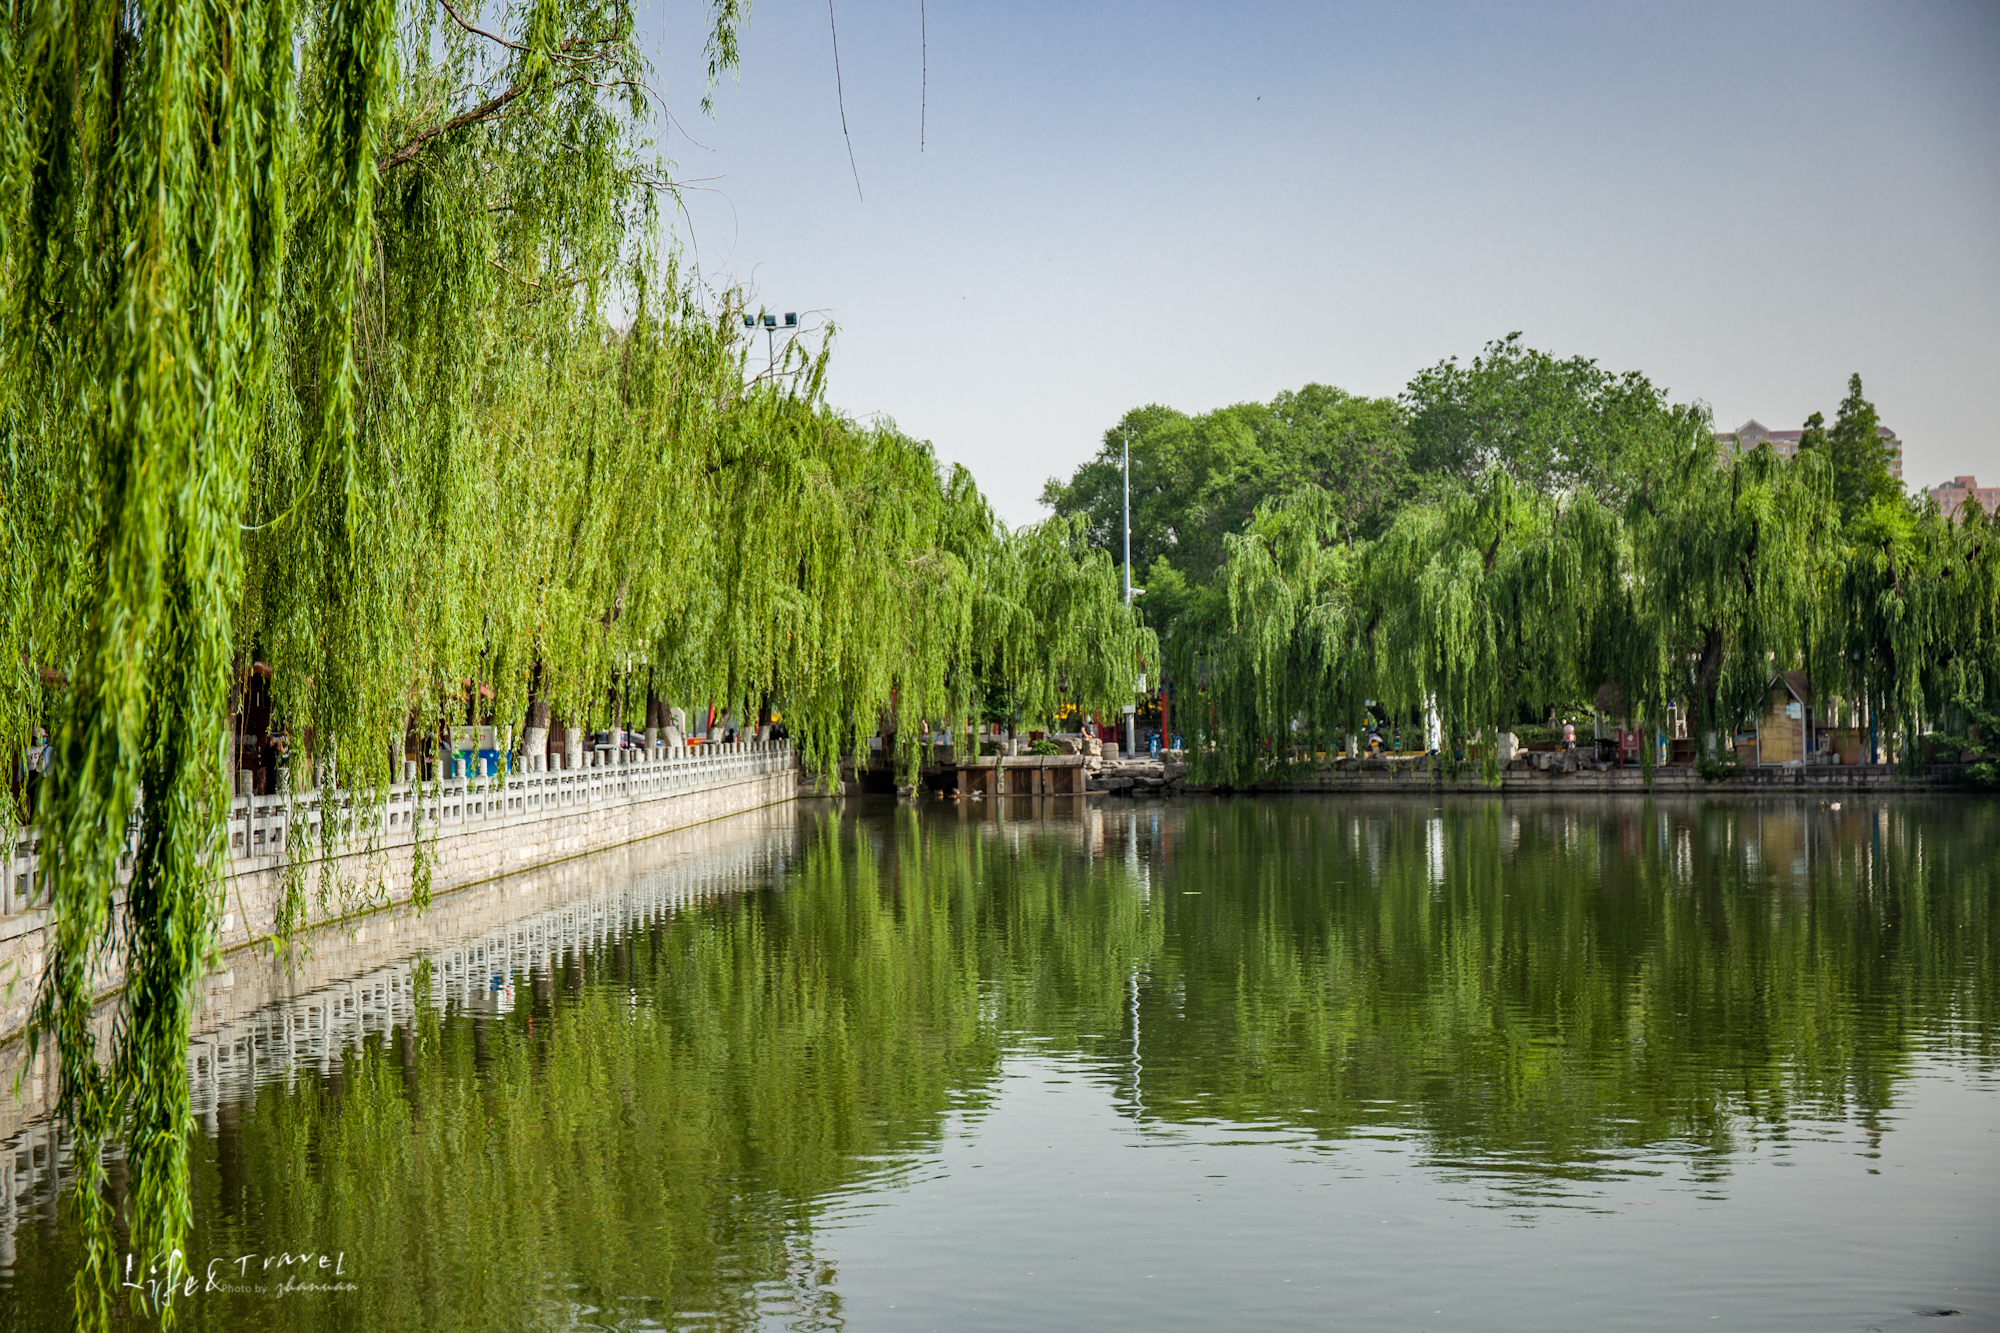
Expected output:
(1784, 734)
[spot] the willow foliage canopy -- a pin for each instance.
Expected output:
(339, 335)
(1558, 529)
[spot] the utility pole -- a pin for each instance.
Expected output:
(1131, 719)
(1127, 469)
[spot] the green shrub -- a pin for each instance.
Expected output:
(1941, 747)
(1717, 765)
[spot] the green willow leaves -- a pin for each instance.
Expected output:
(1518, 534)
(148, 223)
(338, 336)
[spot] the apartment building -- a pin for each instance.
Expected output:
(1786, 442)
(1960, 489)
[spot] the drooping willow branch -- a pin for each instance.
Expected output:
(264, 394)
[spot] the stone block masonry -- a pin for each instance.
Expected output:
(353, 856)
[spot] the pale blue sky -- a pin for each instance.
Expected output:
(1198, 204)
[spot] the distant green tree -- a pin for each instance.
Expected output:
(1355, 448)
(1173, 457)
(1859, 457)
(1197, 479)
(1554, 426)
(1814, 434)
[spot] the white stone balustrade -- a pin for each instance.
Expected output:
(259, 827)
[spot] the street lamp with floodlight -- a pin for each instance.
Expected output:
(769, 323)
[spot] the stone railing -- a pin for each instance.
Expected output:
(260, 828)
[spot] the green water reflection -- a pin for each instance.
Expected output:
(1531, 994)
(1531, 986)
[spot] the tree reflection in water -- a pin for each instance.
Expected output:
(644, 1128)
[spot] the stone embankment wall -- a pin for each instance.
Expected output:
(261, 1015)
(339, 856)
(1559, 778)
(1139, 777)
(1142, 777)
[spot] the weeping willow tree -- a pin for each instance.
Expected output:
(1050, 629)
(867, 583)
(1495, 601)
(1489, 603)
(1275, 654)
(1915, 603)
(163, 200)
(1728, 567)
(339, 337)
(1466, 610)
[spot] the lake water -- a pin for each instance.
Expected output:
(1203, 1064)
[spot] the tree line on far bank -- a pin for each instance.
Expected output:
(1510, 535)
